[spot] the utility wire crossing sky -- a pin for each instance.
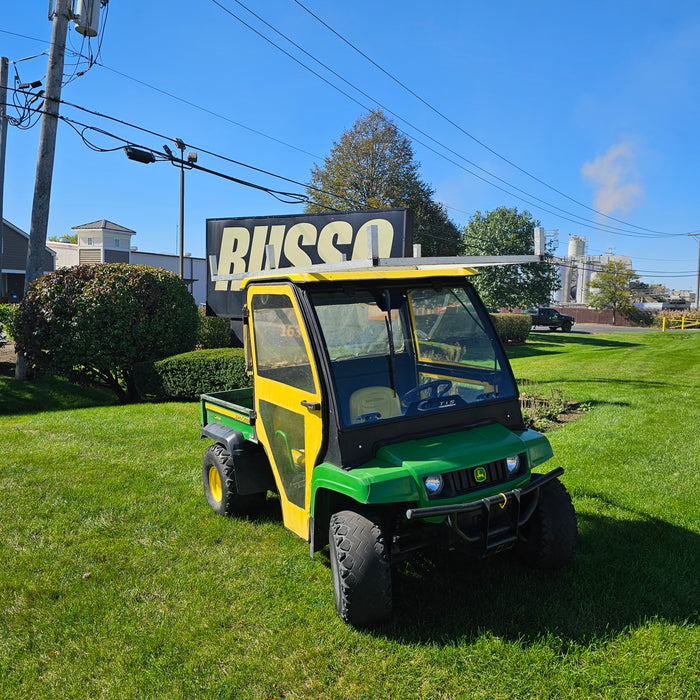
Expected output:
(583, 114)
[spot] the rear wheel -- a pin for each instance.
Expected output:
(549, 537)
(220, 485)
(360, 568)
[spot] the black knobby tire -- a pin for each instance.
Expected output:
(549, 537)
(220, 485)
(360, 568)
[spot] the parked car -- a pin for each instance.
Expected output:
(546, 316)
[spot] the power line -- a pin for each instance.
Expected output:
(282, 196)
(465, 132)
(588, 223)
(151, 132)
(579, 219)
(207, 111)
(172, 96)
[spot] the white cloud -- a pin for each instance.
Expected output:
(616, 177)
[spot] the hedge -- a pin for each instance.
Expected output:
(512, 328)
(185, 377)
(213, 331)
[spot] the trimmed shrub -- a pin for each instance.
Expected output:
(512, 328)
(95, 322)
(184, 377)
(213, 331)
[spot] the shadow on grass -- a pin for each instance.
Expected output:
(625, 571)
(48, 394)
(550, 344)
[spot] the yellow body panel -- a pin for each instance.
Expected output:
(357, 274)
(287, 399)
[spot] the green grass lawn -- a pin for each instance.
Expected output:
(118, 581)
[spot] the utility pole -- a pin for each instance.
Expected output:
(697, 281)
(47, 142)
(4, 63)
(44, 162)
(181, 145)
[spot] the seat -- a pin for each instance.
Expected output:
(374, 402)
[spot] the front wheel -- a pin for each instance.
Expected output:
(360, 568)
(218, 477)
(549, 537)
(566, 326)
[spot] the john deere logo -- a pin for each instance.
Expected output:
(480, 474)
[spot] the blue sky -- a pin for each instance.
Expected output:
(585, 114)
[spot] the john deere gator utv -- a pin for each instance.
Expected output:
(385, 414)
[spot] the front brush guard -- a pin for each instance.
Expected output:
(491, 538)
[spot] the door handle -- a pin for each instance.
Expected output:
(312, 405)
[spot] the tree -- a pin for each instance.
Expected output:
(372, 167)
(94, 323)
(611, 288)
(73, 238)
(505, 231)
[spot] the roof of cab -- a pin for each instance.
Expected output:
(347, 272)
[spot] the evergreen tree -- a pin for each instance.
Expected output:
(372, 166)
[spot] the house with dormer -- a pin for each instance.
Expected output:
(14, 244)
(104, 241)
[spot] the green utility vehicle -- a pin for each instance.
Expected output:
(385, 415)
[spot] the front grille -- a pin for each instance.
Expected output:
(464, 480)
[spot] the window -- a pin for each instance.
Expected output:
(356, 326)
(117, 243)
(280, 351)
(89, 241)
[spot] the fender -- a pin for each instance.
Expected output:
(231, 439)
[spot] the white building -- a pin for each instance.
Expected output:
(104, 241)
(577, 270)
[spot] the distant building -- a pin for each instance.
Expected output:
(577, 271)
(104, 241)
(14, 244)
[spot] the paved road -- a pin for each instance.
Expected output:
(592, 328)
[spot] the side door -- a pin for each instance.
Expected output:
(287, 397)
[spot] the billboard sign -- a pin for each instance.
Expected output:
(239, 245)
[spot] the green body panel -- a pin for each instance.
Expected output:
(233, 409)
(396, 474)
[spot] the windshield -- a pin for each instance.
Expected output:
(402, 352)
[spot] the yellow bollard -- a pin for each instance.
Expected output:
(663, 325)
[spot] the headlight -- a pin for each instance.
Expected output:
(512, 463)
(433, 484)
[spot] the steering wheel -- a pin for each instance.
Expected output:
(435, 386)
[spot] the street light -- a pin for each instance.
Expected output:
(191, 158)
(142, 156)
(697, 281)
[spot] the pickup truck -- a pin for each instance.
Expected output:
(385, 414)
(546, 316)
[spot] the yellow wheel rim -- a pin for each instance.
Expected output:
(215, 483)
